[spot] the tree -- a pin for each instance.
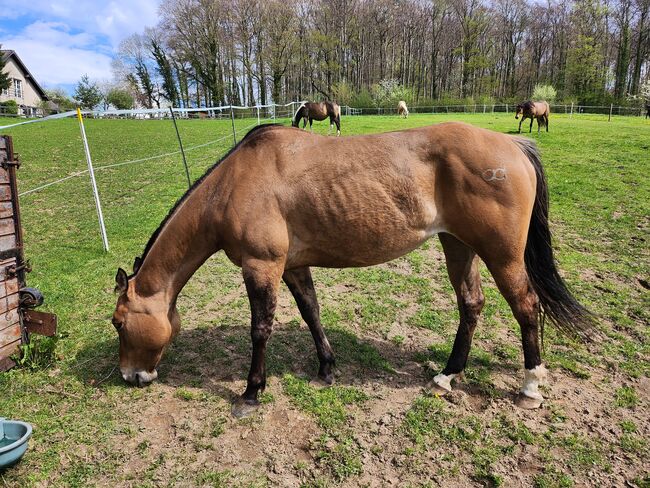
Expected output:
(4, 77)
(60, 98)
(87, 93)
(119, 98)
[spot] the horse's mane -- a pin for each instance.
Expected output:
(156, 233)
(295, 116)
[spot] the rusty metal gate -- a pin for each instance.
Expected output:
(17, 301)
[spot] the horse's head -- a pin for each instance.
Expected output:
(519, 111)
(146, 325)
(294, 122)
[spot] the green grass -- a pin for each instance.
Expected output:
(600, 194)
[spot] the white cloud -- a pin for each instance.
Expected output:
(69, 38)
(57, 65)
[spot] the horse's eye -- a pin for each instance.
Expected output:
(117, 324)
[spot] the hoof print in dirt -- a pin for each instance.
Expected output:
(242, 408)
(528, 403)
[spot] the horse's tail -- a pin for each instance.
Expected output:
(555, 299)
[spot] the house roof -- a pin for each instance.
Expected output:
(8, 54)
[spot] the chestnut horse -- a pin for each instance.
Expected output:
(402, 109)
(283, 200)
(533, 110)
(318, 111)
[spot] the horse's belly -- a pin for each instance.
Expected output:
(353, 242)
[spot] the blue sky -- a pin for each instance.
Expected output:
(61, 40)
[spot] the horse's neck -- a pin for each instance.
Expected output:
(186, 240)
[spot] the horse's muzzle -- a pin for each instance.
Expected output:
(139, 378)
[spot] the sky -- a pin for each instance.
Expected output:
(61, 40)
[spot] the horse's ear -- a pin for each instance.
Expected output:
(137, 262)
(121, 280)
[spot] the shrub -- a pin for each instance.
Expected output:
(544, 92)
(10, 107)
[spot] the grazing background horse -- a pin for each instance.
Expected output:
(402, 109)
(533, 110)
(311, 111)
(282, 201)
(647, 110)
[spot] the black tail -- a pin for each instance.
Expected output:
(557, 303)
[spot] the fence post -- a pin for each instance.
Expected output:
(232, 120)
(571, 114)
(611, 107)
(258, 114)
(91, 171)
(180, 144)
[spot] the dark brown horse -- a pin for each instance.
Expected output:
(647, 110)
(533, 110)
(311, 111)
(284, 200)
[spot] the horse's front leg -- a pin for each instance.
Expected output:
(532, 119)
(262, 279)
(311, 122)
(520, 122)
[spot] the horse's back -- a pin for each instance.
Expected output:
(408, 184)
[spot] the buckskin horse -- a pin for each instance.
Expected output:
(533, 110)
(311, 111)
(283, 200)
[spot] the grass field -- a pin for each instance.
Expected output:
(391, 326)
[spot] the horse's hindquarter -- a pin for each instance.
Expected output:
(364, 200)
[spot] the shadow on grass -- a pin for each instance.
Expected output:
(217, 359)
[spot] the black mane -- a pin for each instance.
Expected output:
(156, 233)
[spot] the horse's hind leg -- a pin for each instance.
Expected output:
(302, 288)
(462, 267)
(512, 279)
(546, 121)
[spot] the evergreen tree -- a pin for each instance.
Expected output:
(165, 70)
(4, 77)
(87, 93)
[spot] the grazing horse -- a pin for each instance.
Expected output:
(402, 109)
(283, 200)
(318, 111)
(647, 110)
(533, 110)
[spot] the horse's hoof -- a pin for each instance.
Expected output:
(528, 403)
(319, 382)
(244, 408)
(436, 389)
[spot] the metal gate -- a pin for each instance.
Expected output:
(17, 301)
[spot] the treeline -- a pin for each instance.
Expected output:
(214, 52)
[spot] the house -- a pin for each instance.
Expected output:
(24, 89)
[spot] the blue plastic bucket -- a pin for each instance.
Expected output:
(14, 436)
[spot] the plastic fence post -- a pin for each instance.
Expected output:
(258, 114)
(98, 204)
(180, 143)
(232, 120)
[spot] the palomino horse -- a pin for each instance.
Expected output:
(402, 110)
(318, 111)
(283, 200)
(533, 110)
